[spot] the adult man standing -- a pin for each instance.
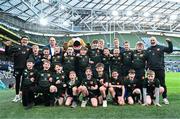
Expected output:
(155, 62)
(117, 45)
(20, 54)
(52, 44)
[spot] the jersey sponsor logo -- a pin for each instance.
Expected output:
(48, 75)
(141, 55)
(23, 52)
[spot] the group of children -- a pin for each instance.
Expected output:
(90, 74)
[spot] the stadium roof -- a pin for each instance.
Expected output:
(56, 16)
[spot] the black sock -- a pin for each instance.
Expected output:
(114, 99)
(104, 98)
(85, 98)
(75, 98)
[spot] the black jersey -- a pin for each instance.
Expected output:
(43, 78)
(20, 54)
(26, 78)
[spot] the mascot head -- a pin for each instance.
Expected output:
(76, 43)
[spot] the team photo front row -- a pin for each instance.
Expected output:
(54, 89)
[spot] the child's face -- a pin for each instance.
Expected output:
(116, 43)
(131, 75)
(140, 47)
(83, 52)
(126, 46)
(72, 76)
(100, 44)
(35, 50)
(24, 41)
(57, 50)
(115, 74)
(151, 77)
(46, 52)
(106, 52)
(46, 66)
(88, 72)
(70, 51)
(94, 45)
(58, 68)
(116, 52)
(99, 69)
(29, 65)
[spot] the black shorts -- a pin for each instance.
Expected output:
(69, 92)
(150, 92)
(94, 93)
(60, 92)
(118, 92)
(129, 94)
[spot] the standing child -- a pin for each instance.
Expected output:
(102, 80)
(116, 88)
(151, 89)
(116, 61)
(83, 62)
(36, 56)
(57, 57)
(28, 84)
(106, 58)
(69, 61)
(89, 88)
(94, 54)
(127, 58)
(72, 90)
(46, 54)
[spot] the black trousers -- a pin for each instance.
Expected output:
(47, 97)
(18, 75)
(160, 74)
(27, 95)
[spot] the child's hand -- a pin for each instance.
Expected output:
(110, 55)
(58, 82)
(119, 86)
(49, 57)
(65, 54)
(101, 81)
(50, 79)
(64, 85)
(53, 89)
(106, 85)
(32, 79)
(91, 62)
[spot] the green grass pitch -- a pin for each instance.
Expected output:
(15, 110)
